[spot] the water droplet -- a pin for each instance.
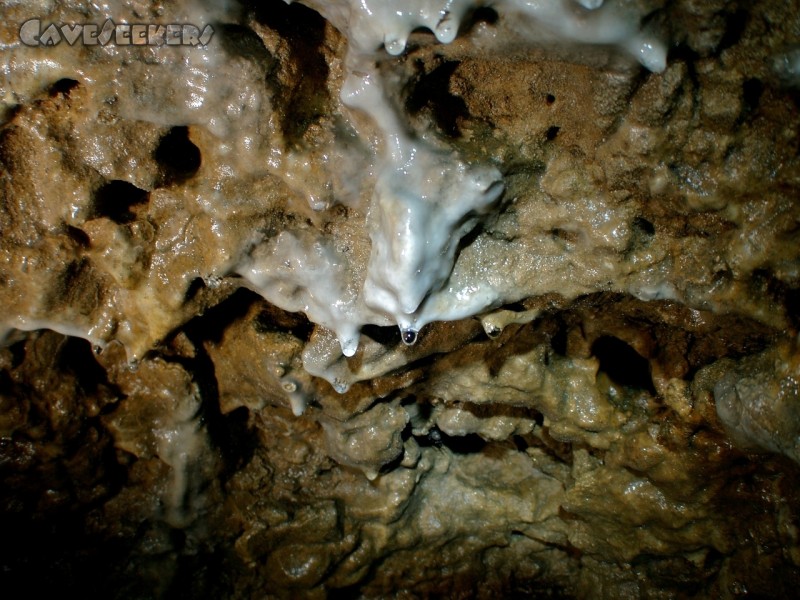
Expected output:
(340, 386)
(349, 346)
(445, 32)
(298, 404)
(409, 336)
(394, 47)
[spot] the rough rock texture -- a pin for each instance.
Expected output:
(626, 425)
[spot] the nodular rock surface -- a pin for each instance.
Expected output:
(625, 425)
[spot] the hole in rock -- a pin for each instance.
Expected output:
(623, 365)
(177, 155)
(675, 573)
(211, 324)
(751, 93)
(235, 440)
(485, 14)
(17, 350)
(644, 226)
(793, 306)
(117, 199)
(388, 335)
(76, 356)
(737, 22)
(471, 443)
(79, 236)
(432, 91)
(642, 232)
(520, 443)
(514, 307)
(549, 98)
(482, 14)
(567, 236)
(194, 288)
(274, 319)
(63, 87)
(682, 52)
(552, 132)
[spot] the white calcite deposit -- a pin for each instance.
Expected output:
(417, 196)
(425, 199)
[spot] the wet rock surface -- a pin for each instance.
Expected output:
(623, 422)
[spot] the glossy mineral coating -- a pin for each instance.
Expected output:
(479, 313)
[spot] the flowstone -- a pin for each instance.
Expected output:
(456, 299)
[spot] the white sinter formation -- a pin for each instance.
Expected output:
(425, 200)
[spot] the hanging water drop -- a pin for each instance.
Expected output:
(409, 336)
(298, 404)
(394, 46)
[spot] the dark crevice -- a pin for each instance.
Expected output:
(623, 365)
(212, 324)
(63, 87)
(566, 235)
(482, 14)
(792, 303)
(642, 232)
(682, 53)
(76, 356)
(178, 157)
(552, 132)
(229, 433)
(388, 335)
(79, 236)
(514, 307)
(558, 342)
(271, 318)
(118, 200)
(752, 89)
(471, 443)
(737, 22)
(469, 237)
(432, 92)
(195, 287)
(557, 450)
(643, 226)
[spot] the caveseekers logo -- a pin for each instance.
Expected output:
(33, 33)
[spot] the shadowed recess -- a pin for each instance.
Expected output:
(432, 92)
(178, 157)
(117, 200)
(623, 364)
